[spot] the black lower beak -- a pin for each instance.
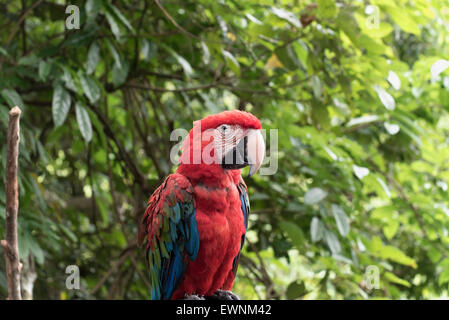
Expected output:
(236, 158)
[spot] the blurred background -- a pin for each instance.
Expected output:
(359, 93)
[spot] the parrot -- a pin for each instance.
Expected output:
(195, 222)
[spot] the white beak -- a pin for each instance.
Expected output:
(256, 150)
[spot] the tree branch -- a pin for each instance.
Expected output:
(10, 244)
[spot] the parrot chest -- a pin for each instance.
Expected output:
(220, 227)
(219, 214)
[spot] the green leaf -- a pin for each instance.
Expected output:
(386, 98)
(184, 63)
(83, 121)
(438, 67)
(93, 7)
(118, 16)
(90, 88)
(395, 279)
(444, 275)
(68, 80)
(120, 73)
(44, 69)
(327, 9)
(93, 57)
(60, 105)
(362, 120)
(314, 195)
(115, 54)
(12, 98)
(206, 53)
(341, 219)
(316, 229)
(232, 62)
(287, 56)
(37, 252)
(148, 50)
(403, 19)
(115, 29)
(332, 241)
(296, 290)
(394, 254)
(294, 233)
(317, 87)
(68, 233)
(287, 15)
(391, 228)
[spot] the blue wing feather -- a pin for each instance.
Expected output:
(175, 245)
(245, 211)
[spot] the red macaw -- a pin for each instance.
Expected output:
(195, 222)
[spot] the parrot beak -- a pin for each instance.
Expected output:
(249, 151)
(256, 151)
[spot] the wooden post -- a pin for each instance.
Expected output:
(10, 244)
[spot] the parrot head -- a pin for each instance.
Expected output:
(230, 140)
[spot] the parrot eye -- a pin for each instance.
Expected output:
(224, 128)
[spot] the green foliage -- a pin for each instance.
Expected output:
(361, 110)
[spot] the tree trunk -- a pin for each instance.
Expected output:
(10, 244)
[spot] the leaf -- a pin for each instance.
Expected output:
(93, 57)
(394, 80)
(332, 241)
(118, 16)
(60, 105)
(68, 80)
(232, 61)
(341, 219)
(287, 15)
(206, 53)
(44, 69)
(403, 19)
(12, 98)
(294, 233)
(184, 64)
(296, 290)
(115, 29)
(83, 119)
(444, 275)
(314, 195)
(317, 87)
(362, 120)
(386, 99)
(327, 9)
(360, 172)
(120, 74)
(391, 128)
(93, 7)
(115, 54)
(391, 228)
(316, 229)
(287, 57)
(90, 88)
(438, 67)
(395, 279)
(384, 186)
(148, 50)
(273, 63)
(253, 19)
(37, 251)
(391, 253)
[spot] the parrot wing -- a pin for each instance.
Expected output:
(243, 191)
(170, 229)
